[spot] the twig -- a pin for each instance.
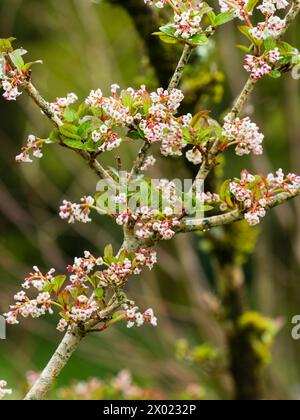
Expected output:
(63, 353)
(142, 155)
(210, 160)
(200, 225)
(186, 54)
(34, 94)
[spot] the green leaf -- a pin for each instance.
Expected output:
(199, 39)
(134, 135)
(243, 48)
(285, 48)
(212, 17)
(27, 66)
(251, 5)
(223, 18)
(90, 146)
(225, 194)
(166, 38)
(245, 30)
(99, 293)
(58, 282)
(275, 74)
(16, 58)
(85, 128)
(5, 44)
(63, 298)
(127, 99)
(74, 144)
(70, 131)
(168, 30)
(270, 44)
(70, 115)
(55, 136)
(108, 251)
(83, 110)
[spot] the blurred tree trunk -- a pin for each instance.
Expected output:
(146, 21)
(244, 364)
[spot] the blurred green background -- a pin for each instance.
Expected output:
(86, 45)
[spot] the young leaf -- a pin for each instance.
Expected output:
(27, 66)
(108, 251)
(70, 115)
(243, 48)
(70, 131)
(251, 5)
(74, 144)
(199, 39)
(269, 44)
(54, 136)
(275, 74)
(166, 38)
(58, 282)
(99, 293)
(212, 17)
(168, 30)
(223, 18)
(16, 58)
(5, 45)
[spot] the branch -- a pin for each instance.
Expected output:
(41, 103)
(200, 225)
(251, 83)
(136, 168)
(34, 94)
(63, 353)
(186, 54)
(146, 21)
(210, 160)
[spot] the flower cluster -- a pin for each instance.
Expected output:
(161, 126)
(10, 80)
(281, 183)
(150, 222)
(149, 161)
(61, 104)
(272, 25)
(245, 134)
(151, 115)
(194, 155)
(3, 390)
(254, 193)
(187, 16)
(77, 301)
(237, 7)
(154, 222)
(120, 387)
(34, 144)
(263, 65)
(77, 212)
(10, 87)
(136, 318)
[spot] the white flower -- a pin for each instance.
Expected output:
(245, 133)
(194, 155)
(3, 390)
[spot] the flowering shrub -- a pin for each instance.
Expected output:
(85, 294)
(3, 390)
(91, 297)
(255, 193)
